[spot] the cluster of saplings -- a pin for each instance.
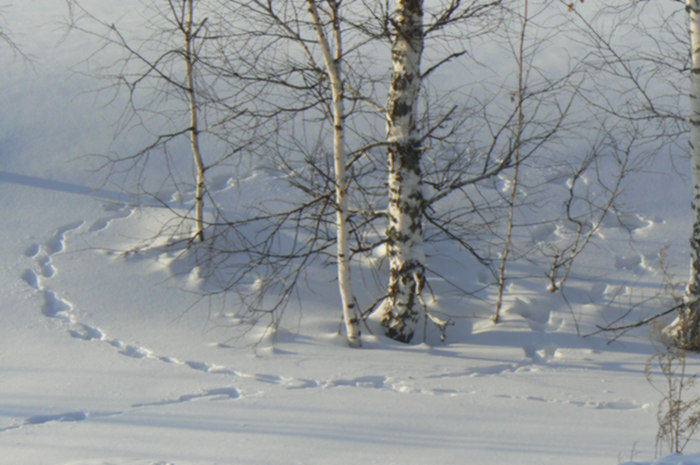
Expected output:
(396, 128)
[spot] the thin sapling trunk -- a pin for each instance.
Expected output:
(194, 130)
(334, 70)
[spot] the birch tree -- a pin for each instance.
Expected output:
(310, 57)
(308, 79)
(333, 63)
(654, 86)
(403, 305)
(344, 91)
(400, 311)
(518, 97)
(172, 94)
(190, 31)
(687, 325)
(660, 86)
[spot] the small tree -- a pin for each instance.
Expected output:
(333, 64)
(172, 93)
(518, 98)
(658, 96)
(310, 58)
(678, 414)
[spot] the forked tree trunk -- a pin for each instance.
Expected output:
(190, 57)
(687, 325)
(333, 67)
(401, 309)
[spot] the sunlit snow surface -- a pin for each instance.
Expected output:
(674, 459)
(103, 362)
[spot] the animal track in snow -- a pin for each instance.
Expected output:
(373, 382)
(222, 183)
(386, 383)
(210, 368)
(598, 405)
(134, 351)
(288, 382)
(54, 306)
(47, 269)
(86, 332)
(31, 278)
(299, 383)
(542, 355)
(74, 416)
(32, 251)
(99, 225)
(536, 317)
(632, 222)
(497, 369)
(70, 416)
(57, 307)
(121, 211)
(57, 242)
(221, 393)
(620, 405)
(119, 461)
(226, 393)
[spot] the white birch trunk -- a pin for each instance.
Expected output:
(687, 325)
(333, 67)
(400, 311)
(194, 128)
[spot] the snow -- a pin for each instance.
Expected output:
(675, 459)
(106, 360)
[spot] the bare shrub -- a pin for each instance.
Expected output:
(678, 415)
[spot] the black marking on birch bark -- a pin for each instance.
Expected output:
(401, 80)
(690, 316)
(400, 109)
(404, 232)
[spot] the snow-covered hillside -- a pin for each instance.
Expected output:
(107, 359)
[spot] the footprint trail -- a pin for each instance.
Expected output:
(38, 277)
(57, 242)
(54, 306)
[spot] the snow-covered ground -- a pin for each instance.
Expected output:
(103, 362)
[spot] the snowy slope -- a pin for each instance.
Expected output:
(103, 361)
